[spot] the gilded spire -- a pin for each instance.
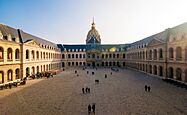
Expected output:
(93, 24)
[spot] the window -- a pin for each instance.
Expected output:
(1, 54)
(63, 56)
(178, 53)
(17, 54)
(27, 54)
(160, 54)
(9, 53)
(10, 76)
(17, 73)
(171, 53)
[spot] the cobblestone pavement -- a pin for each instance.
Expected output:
(121, 93)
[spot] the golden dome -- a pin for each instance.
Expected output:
(93, 35)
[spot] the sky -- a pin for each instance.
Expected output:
(68, 21)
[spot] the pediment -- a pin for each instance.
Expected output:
(155, 42)
(32, 43)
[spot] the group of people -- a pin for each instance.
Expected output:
(91, 108)
(85, 90)
(147, 88)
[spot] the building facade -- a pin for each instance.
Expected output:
(163, 54)
(93, 53)
(22, 54)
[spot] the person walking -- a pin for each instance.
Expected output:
(89, 109)
(146, 88)
(83, 90)
(93, 108)
(149, 89)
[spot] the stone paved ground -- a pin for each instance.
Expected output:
(120, 94)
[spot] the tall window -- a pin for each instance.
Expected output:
(27, 54)
(9, 53)
(178, 53)
(32, 54)
(10, 76)
(160, 54)
(17, 54)
(155, 54)
(37, 54)
(171, 53)
(1, 77)
(1, 54)
(17, 73)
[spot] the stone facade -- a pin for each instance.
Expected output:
(22, 54)
(163, 54)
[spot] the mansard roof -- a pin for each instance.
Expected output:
(6, 30)
(27, 37)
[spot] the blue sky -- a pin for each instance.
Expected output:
(68, 21)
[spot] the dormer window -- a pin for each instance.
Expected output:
(14, 39)
(5, 37)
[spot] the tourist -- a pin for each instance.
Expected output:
(93, 108)
(149, 88)
(83, 90)
(111, 73)
(89, 109)
(105, 75)
(146, 88)
(87, 72)
(88, 90)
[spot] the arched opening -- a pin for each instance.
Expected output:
(1, 77)
(150, 69)
(178, 74)
(1, 54)
(155, 54)
(77, 55)
(110, 63)
(185, 75)
(37, 69)
(106, 63)
(170, 53)
(170, 74)
(155, 69)
(150, 54)
(178, 53)
(160, 53)
(33, 70)
(63, 64)
(27, 54)
(9, 75)
(160, 71)
(27, 72)
(17, 54)
(32, 53)
(37, 55)
(9, 54)
(17, 73)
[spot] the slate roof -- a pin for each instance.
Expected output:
(6, 30)
(27, 37)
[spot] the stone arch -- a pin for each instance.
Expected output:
(170, 72)
(179, 74)
(1, 53)
(1, 77)
(171, 53)
(178, 53)
(17, 54)
(155, 69)
(9, 75)
(27, 54)
(160, 71)
(9, 53)
(17, 72)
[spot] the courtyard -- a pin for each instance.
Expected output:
(121, 93)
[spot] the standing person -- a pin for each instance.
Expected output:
(93, 108)
(149, 88)
(89, 109)
(87, 72)
(146, 88)
(83, 90)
